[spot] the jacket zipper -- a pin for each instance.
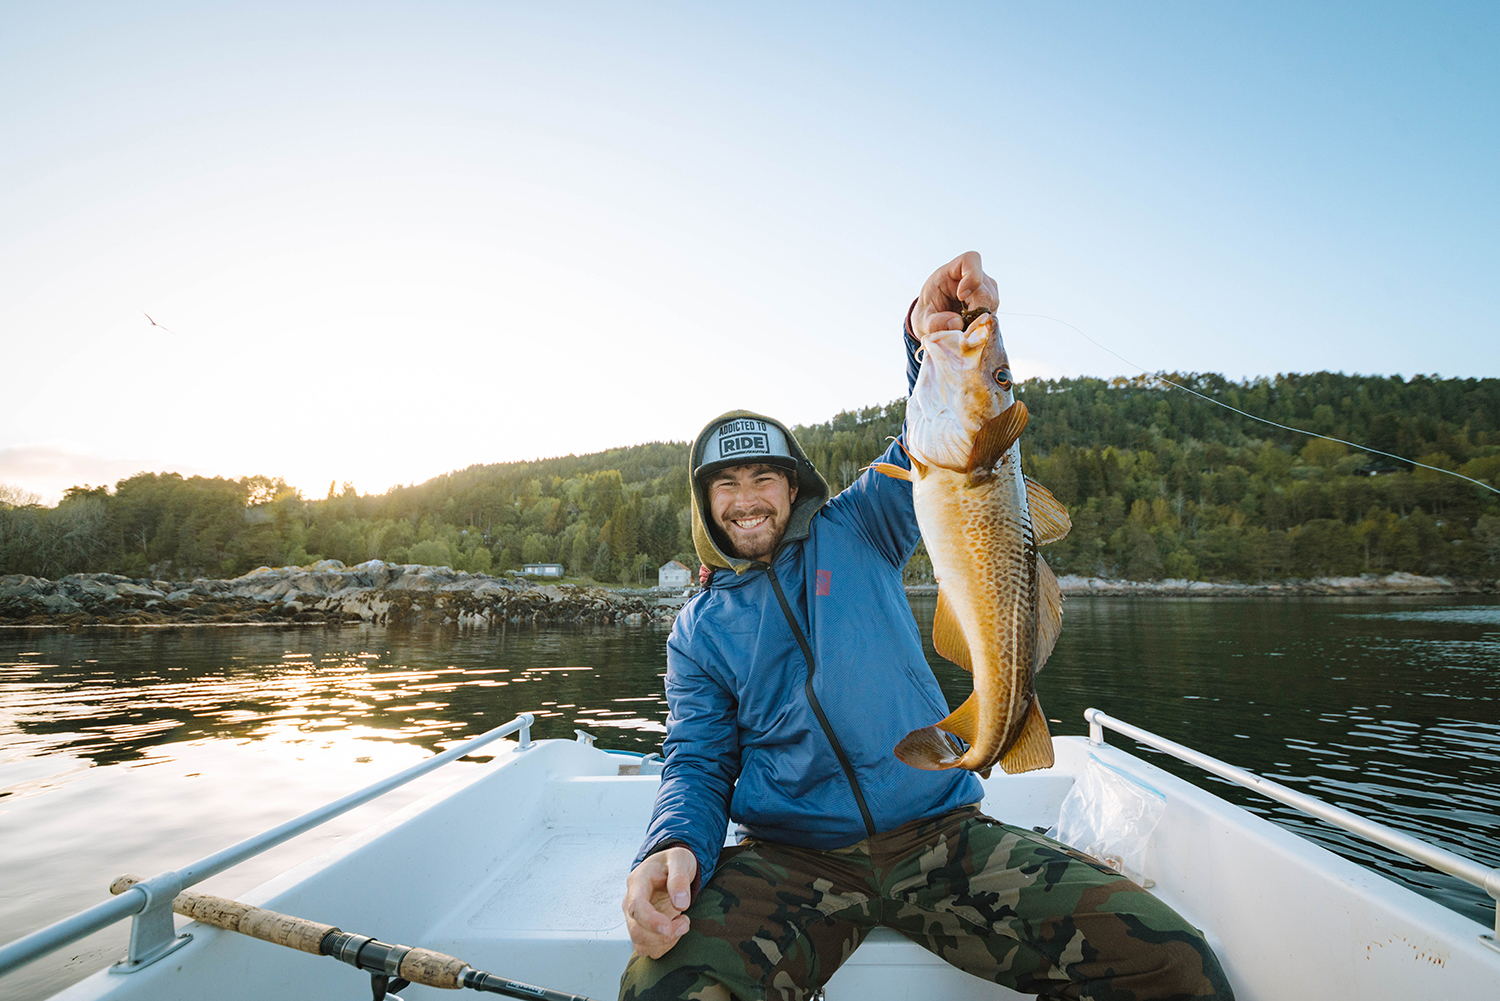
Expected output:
(812, 698)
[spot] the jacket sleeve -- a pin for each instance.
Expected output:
(703, 760)
(913, 366)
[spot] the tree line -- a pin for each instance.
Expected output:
(1159, 484)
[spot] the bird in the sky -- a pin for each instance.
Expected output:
(155, 324)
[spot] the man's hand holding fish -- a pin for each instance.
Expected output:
(958, 287)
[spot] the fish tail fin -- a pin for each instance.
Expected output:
(1033, 748)
(931, 749)
(890, 469)
(996, 435)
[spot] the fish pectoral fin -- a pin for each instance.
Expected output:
(929, 749)
(948, 636)
(1049, 519)
(892, 470)
(918, 465)
(1049, 613)
(996, 435)
(1033, 748)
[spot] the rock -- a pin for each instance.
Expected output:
(88, 585)
(58, 604)
(18, 585)
(127, 589)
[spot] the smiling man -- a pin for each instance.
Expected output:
(751, 505)
(790, 678)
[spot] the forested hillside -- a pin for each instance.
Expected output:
(1160, 484)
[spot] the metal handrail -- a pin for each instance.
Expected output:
(153, 935)
(1468, 870)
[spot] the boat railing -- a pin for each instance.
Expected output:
(153, 933)
(1468, 870)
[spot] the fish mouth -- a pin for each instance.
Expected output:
(958, 345)
(956, 391)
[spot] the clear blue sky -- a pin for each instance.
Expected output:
(396, 239)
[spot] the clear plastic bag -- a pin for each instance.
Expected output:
(1111, 816)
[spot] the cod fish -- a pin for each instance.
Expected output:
(999, 609)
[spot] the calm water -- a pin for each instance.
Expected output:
(138, 750)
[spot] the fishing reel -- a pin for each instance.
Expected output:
(383, 962)
(383, 987)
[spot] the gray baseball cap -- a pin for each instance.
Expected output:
(744, 441)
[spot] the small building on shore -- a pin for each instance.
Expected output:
(673, 574)
(553, 570)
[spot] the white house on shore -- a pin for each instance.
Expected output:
(673, 574)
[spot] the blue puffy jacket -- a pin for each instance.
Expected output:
(789, 685)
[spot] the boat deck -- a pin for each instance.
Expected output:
(554, 905)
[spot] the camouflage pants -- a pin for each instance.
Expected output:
(1000, 902)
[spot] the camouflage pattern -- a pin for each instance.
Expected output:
(1000, 902)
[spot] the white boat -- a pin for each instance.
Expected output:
(518, 868)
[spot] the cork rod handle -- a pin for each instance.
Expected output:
(231, 915)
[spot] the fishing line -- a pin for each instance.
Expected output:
(1220, 403)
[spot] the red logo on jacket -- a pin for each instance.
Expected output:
(825, 582)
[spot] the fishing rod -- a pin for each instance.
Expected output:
(391, 967)
(1220, 403)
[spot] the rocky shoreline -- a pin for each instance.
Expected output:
(329, 593)
(326, 593)
(1368, 584)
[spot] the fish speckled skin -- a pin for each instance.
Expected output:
(999, 609)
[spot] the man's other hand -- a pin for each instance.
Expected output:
(656, 893)
(958, 285)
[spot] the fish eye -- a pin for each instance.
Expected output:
(1002, 376)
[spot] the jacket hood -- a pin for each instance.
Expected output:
(812, 494)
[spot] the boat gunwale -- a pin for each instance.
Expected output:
(1417, 849)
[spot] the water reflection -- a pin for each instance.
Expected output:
(111, 696)
(142, 749)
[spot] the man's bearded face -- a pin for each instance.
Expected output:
(751, 506)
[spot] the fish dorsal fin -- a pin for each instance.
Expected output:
(996, 435)
(892, 470)
(1033, 748)
(1049, 519)
(963, 722)
(948, 636)
(1049, 610)
(929, 749)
